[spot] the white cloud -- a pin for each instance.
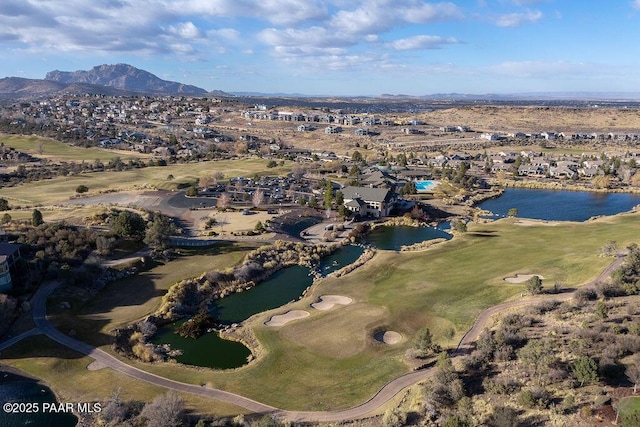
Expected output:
(186, 30)
(281, 12)
(432, 12)
(378, 16)
(422, 42)
(517, 19)
(636, 4)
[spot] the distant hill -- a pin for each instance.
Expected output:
(18, 87)
(126, 77)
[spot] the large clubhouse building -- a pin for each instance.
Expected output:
(369, 202)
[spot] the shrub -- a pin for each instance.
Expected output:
(82, 189)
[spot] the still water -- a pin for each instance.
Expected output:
(393, 238)
(560, 205)
(17, 388)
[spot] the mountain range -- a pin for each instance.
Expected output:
(113, 80)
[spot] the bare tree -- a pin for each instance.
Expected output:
(224, 201)
(166, 410)
(206, 181)
(258, 197)
(633, 372)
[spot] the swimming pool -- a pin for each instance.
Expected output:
(426, 185)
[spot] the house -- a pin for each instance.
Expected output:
(365, 201)
(9, 253)
(332, 129)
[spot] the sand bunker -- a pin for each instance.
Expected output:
(521, 278)
(326, 302)
(283, 319)
(388, 337)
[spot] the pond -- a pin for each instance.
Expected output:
(282, 287)
(17, 388)
(553, 205)
(393, 238)
(209, 350)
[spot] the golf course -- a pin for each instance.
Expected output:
(443, 288)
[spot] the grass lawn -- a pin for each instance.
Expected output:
(65, 372)
(168, 177)
(134, 297)
(62, 151)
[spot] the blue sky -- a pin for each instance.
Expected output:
(330, 47)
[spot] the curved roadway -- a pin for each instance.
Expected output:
(365, 409)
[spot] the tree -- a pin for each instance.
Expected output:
(258, 197)
(4, 205)
(408, 188)
(129, 224)
(602, 311)
(6, 218)
(513, 212)
(328, 195)
(339, 198)
(159, 232)
(534, 285)
(192, 191)
(610, 248)
(223, 201)
(82, 189)
(313, 202)
(164, 411)
(585, 370)
(272, 164)
(504, 416)
(459, 225)
(538, 355)
(114, 411)
(633, 372)
(36, 218)
(423, 342)
(357, 157)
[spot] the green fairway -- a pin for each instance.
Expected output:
(47, 148)
(160, 177)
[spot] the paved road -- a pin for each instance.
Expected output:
(387, 392)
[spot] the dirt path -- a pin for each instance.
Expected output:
(391, 389)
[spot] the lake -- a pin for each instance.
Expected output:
(554, 205)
